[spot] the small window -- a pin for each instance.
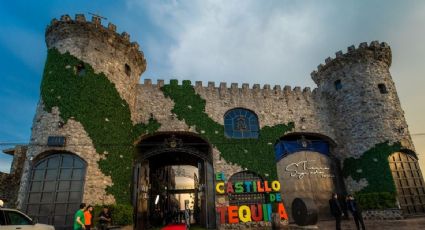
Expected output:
(56, 141)
(382, 88)
(338, 85)
(127, 70)
(80, 69)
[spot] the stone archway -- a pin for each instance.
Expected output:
(164, 150)
(307, 169)
(409, 182)
(56, 188)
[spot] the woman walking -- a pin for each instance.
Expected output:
(88, 217)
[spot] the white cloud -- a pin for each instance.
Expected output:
(237, 41)
(281, 42)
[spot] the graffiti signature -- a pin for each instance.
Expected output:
(302, 168)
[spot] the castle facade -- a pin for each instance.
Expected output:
(98, 133)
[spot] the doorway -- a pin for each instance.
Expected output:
(56, 189)
(409, 183)
(158, 196)
(308, 169)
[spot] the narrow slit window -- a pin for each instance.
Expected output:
(338, 84)
(382, 88)
(127, 70)
(80, 69)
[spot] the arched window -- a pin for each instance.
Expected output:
(246, 198)
(56, 189)
(241, 123)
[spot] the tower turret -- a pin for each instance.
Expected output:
(103, 48)
(363, 103)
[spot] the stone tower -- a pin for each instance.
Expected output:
(362, 99)
(107, 52)
(103, 48)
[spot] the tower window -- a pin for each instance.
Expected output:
(80, 69)
(338, 84)
(127, 70)
(382, 88)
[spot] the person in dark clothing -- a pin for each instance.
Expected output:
(104, 218)
(355, 211)
(336, 210)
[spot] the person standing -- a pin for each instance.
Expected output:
(355, 211)
(336, 210)
(79, 222)
(104, 218)
(88, 217)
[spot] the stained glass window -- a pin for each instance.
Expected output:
(241, 123)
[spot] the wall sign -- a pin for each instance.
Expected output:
(302, 168)
(251, 212)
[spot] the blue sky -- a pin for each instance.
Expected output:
(266, 42)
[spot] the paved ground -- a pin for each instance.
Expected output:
(417, 223)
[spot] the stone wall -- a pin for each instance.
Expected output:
(10, 182)
(77, 142)
(103, 48)
(151, 102)
(386, 214)
(272, 106)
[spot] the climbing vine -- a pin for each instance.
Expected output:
(91, 99)
(373, 166)
(254, 154)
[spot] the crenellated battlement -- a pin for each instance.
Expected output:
(66, 27)
(374, 51)
(223, 89)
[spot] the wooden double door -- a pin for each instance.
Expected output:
(409, 183)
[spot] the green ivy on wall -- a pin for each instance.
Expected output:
(254, 154)
(93, 100)
(373, 165)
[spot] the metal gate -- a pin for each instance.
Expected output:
(409, 183)
(56, 189)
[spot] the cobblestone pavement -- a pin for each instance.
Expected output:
(406, 224)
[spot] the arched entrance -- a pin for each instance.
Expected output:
(307, 169)
(154, 192)
(56, 189)
(409, 182)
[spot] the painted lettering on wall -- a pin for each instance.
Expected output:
(303, 168)
(250, 212)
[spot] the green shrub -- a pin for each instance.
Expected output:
(376, 200)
